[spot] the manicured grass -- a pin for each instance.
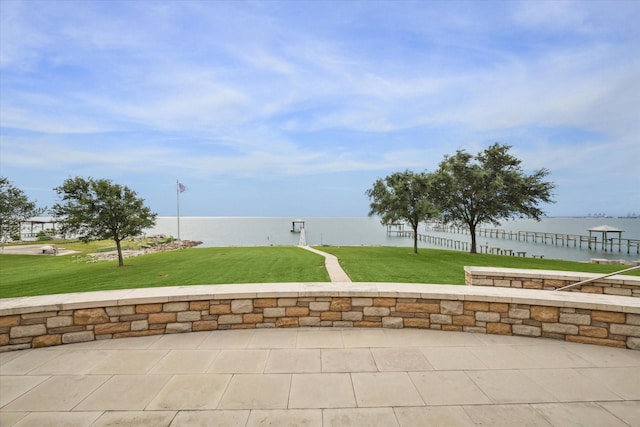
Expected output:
(23, 275)
(397, 264)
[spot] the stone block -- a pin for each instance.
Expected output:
(331, 315)
(499, 307)
(74, 337)
(453, 328)
(90, 316)
(392, 322)
(309, 321)
(502, 283)
(560, 328)
(481, 282)
(205, 325)
(112, 328)
(265, 302)
(545, 314)
(8, 321)
(519, 313)
(162, 317)
(618, 291)
(575, 318)
(340, 304)
(27, 331)
(287, 302)
(139, 333)
(274, 312)
(593, 331)
(198, 305)
(148, 308)
(475, 329)
(343, 324)
(451, 307)
(240, 306)
(553, 283)
(384, 302)
(588, 289)
(627, 330)
(188, 316)
(121, 310)
(319, 305)
(139, 325)
(4, 339)
(607, 316)
(229, 319)
(59, 321)
(418, 307)
(362, 302)
(633, 319)
(352, 316)
(476, 306)
(176, 328)
(296, 311)
(499, 328)
(596, 341)
(530, 284)
(287, 322)
(483, 316)
(465, 320)
(526, 330)
(367, 324)
(252, 318)
(416, 322)
(441, 319)
(376, 311)
(220, 309)
(175, 306)
(46, 341)
(633, 343)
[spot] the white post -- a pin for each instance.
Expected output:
(178, 209)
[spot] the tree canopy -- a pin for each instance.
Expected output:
(487, 188)
(403, 196)
(15, 208)
(99, 209)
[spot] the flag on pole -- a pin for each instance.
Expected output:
(181, 187)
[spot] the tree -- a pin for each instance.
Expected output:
(402, 196)
(15, 208)
(99, 209)
(488, 188)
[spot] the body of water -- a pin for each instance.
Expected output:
(237, 231)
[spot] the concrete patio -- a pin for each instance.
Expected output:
(321, 377)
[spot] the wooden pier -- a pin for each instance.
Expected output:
(575, 240)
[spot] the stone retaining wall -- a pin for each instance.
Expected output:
(30, 323)
(550, 280)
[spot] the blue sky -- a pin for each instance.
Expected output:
(295, 108)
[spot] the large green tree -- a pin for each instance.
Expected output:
(488, 188)
(403, 196)
(15, 208)
(99, 209)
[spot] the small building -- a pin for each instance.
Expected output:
(297, 225)
(605, 230)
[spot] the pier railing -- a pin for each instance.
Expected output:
(591, 242)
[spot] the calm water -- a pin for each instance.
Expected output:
(218, 231)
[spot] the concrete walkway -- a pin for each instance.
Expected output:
(321, 377)
(331, 263)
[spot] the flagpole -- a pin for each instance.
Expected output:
(178, 210)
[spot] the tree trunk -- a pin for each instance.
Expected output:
(120, 258)
(472, 231)
(415, 238)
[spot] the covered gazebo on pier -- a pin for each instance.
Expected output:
(605, 230)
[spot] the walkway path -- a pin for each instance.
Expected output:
(321, 377)
(336, 273)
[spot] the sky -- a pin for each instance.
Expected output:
(295, 108)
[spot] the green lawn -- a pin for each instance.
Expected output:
(398, 264)
(22, 275)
